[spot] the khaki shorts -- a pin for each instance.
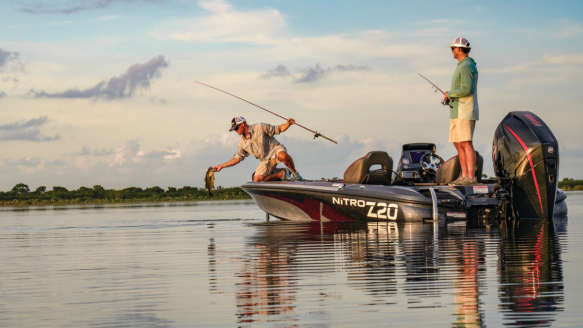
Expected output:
(266, 167)
(461, 130)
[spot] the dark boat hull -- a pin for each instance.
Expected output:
(325, 201)
(317, 201)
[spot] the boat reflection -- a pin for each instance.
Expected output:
(408, 265)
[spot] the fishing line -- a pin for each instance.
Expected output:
(316, 134)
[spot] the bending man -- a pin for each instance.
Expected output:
(464, 111)
(258, 140)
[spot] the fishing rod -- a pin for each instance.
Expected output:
(443, 102)
(316, 134)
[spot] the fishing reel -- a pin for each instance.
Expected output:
(316, 134)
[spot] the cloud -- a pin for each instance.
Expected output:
(7, 56)
(71, 6)
(138, 77)
(311, 73)
(225, 24)
(128, 152)
(2, 94)
(537, 65)
(95, 152)
(566, 28)
(27, 131)
(132, 165)
(564, 59)
(279, 71)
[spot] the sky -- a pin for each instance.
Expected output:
(102, 91)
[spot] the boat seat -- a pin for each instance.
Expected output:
(358, 172)
(451, 169)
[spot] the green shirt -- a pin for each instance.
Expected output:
(464, 91)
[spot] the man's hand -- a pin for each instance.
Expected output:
(445, 97)
(217, 168)
(286, 125)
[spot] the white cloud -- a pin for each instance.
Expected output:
(266, 27)
(130, 165)
(567, 28)
(130, 151)
(225, 24)
(564, 59)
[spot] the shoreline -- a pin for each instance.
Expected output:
(123, 202)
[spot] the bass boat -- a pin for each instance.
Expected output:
(525, 155)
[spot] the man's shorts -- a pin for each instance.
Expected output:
(461, 130)
(266, 167)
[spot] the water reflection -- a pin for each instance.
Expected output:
(531, 275)
(419, 266)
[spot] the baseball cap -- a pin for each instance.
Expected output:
(460, 43)
(237, 120)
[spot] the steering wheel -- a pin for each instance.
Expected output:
(434, 163)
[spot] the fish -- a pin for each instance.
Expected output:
(209, 181)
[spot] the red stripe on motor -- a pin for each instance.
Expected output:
(531, 167)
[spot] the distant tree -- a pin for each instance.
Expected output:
(98, 188)
(134, 189)
(21, 188)
(85, 189)
(57, 188)
(484, 175)
(155, 189)
(171, 189)
(41, 190)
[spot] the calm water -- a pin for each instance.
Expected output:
(219, 264)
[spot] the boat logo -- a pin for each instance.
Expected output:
(376, 210)
(551, 150)
(532, 119)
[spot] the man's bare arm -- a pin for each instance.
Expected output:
(233, 161)
(285, 126)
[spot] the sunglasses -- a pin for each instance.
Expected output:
(452, 49)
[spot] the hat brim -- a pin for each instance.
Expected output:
(460, 47)
(234, 128)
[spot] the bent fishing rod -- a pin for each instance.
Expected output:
(316, 134)
(443, 102)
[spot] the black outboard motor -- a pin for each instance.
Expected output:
(525, 154)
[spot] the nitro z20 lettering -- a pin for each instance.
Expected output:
(376, 210)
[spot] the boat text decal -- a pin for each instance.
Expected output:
(376, 210)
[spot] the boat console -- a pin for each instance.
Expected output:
(418, 164)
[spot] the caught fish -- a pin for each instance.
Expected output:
(209, 181)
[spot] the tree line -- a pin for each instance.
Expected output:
(571, 184)
(22, 194)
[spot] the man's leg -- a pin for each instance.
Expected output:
(263, 172)
(287, 160)
(462, 157)
(469, 163)
(274, 176)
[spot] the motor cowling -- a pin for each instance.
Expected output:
(525, 154)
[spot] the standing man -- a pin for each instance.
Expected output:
(258, 140)
(464, 110)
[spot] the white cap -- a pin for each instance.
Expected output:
(236, 121)
(460, 43)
